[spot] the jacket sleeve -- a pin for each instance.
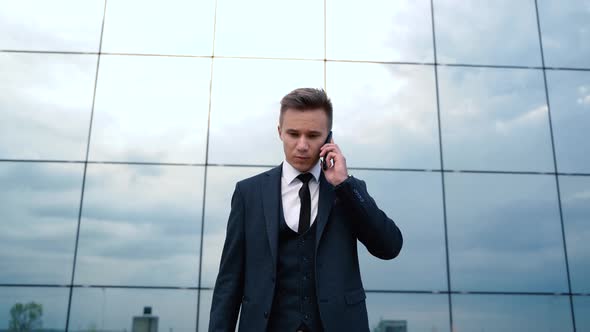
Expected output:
(374, 229)
(229, 286)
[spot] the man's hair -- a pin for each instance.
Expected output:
(303, 99)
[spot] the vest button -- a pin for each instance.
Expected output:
(272, 279)
(266, 314)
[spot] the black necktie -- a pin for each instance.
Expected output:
(305, 197)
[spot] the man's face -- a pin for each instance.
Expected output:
(303, 133)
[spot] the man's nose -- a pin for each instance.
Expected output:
(302, 144)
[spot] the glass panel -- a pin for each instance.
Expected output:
(385, 115)
(417, 312)
(267, 28)
(582, 312)
(40, 205)
(504, 233)
(565, 27)
(382, 30)
(205, 310)
(108, 309)
(57, 25)
(501, 32)
(512, 313)
(569, 97)
(221, 182)
(244, 126)
(151, 109)
(38, 92)
(155, 27)
(413, 200)
(141, 225)
(44, 308)
(494, 119)
(575, 203)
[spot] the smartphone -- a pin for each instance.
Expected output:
(323, 160)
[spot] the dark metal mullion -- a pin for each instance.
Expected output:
(85, 169)
(205, 174)
(442, 167)
(567, 269)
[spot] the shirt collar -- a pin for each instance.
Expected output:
(290, 173)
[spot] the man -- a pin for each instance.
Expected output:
(290, 254)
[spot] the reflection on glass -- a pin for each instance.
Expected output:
(57, 25)
(37, 93)
(565, 28)
(569, 97)
(155, 27)
(221, 182)
(245, 107)
(385, 115)
(40, 308)
(582, 312)
(418, 312)
(504, 233)
(382, 30)
(575, 203)
(113, 309)
(39, 218)
(151, 109)
(501, 32)
(413, 200)
(141, 225)
(494, 119)
(512, 313)
(270, 29)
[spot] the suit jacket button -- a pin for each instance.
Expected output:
(266, 314)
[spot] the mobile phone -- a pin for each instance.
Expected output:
(323, 159)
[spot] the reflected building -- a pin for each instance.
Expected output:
(392, 326)
(145, 323)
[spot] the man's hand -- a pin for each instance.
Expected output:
(337, 173)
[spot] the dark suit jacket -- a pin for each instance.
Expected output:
(248, 262)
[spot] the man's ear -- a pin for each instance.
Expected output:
(279, 131)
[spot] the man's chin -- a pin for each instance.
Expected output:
(302, 165)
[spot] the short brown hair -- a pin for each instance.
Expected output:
(306, 99)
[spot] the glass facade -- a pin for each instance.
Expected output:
(124, 126)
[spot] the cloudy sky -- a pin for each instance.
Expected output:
(208, 94)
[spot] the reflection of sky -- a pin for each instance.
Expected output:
(414, 202)
(575, 200)
(38, 92)
(494, 119)
(512, 313)
(402, 127)
(156, 115)
(39, 216)
(141, 225)
(504, 233)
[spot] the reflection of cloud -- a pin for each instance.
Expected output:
(584, 95)
(59, 25)
(536, 115)
(502, 233)
(143, 226)
(494, 119)
(39, 216)
(46, 101)
(385, 115)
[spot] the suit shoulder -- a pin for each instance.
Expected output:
(254, 181)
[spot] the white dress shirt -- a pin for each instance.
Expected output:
(290, 186)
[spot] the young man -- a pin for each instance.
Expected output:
(290, 254)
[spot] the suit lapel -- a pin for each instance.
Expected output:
(326, 201)
(271, 193)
